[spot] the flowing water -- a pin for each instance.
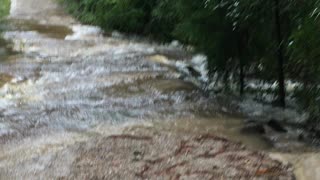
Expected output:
(68, 83)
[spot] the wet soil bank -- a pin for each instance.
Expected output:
(146, 153)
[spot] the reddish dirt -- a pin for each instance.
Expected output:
(147, 154)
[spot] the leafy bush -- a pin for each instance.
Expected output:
(4, 8)
(132, 16)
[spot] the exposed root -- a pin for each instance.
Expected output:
(141, 174)
(169, 169)
(206, 137)
(183, 148)
(131, 137)
(155, 161)
(212, 155)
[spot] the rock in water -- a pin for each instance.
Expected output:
(275, 125)
(253, 128)
(193, 72)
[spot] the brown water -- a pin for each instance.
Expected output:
(49, 30)
(69, 84)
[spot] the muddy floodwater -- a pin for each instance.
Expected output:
(63, 84)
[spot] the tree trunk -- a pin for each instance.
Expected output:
(282, 93)
(226, 79)
(241, 77)
(241, 43)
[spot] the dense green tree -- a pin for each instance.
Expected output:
(304, 50)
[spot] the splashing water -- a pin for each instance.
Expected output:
(69, 84)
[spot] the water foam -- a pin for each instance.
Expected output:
(85, 32)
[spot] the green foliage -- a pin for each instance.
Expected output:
(4, 8)
(131, 16)
(305, 64)
(208, 31)
(163, 20)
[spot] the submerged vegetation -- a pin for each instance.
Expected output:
(269, 41)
